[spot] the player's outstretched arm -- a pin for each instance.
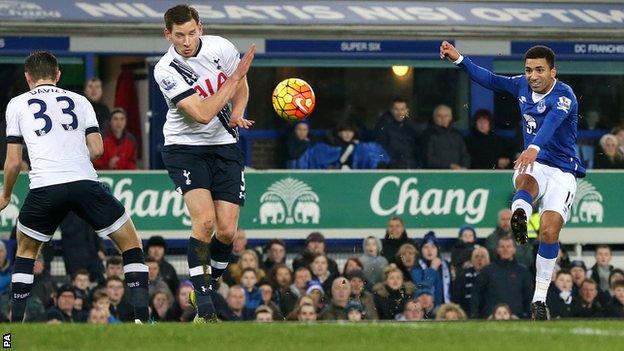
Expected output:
(95, 145)
(239, 103)
(477, 73)
(203, 111)
(12, 166)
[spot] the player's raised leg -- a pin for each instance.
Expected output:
(551, 223)
(201, 209)
(135, 269)
(23, 276)
(521, 206)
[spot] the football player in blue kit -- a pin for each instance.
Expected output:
(548, 167)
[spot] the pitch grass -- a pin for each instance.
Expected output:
(437, 336)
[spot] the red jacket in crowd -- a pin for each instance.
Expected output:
(125, 149)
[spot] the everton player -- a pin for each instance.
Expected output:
(548, 166)
(202, 79)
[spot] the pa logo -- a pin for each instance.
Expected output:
(289, 201)
(6, 341)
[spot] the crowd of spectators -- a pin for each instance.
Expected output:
(394, 278)
(401, 143)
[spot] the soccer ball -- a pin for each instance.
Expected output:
(293, 99)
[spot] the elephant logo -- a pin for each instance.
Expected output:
(289, 201)
(8, 216)
(587, 206)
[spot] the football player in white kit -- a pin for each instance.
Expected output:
(203, 81)
(61, 132)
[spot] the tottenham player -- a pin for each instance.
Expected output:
(62, 136)
(203, 81)
(548, 167)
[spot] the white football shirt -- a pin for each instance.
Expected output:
(53, 123)
(178, 77)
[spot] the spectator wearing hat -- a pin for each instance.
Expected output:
(560, 298)
(64, 311)
(462, 250)
(315, 244)
(578, 270)
(503, 281)
(466, 278)
(355, 311)
(450, 312)
(615, 309)
(433, 270)
(424, 296)
(392, 294)
(321, 272)
(372, 262)
(487, 150)
(413, 312)
(120, 147)
(276, 253)
(587, 304)
(340, 294)
(602, 269)
(395, 237)
(281, 278)
(156, 248)
(316, 292)
(359, 293)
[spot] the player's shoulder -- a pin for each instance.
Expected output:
(562, 89)
(164, 61)
(212, 44)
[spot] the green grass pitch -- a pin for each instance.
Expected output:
(436, 336)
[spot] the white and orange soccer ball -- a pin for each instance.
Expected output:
(293, 99)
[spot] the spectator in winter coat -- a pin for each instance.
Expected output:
(298, 141)
(248, 281)
(300, 284)
(560, 298)
(120, 147)
(615, 309)
(156, 248)
(398, 137)
(235, 306)
(433, 270)
(392, 294)
(406, 260)
(424, 296)
(276, 253)
(602, 269)
(487, 150)
(315, 244)
(93, 92)
(359, 293)
(395, 237)
(372, 262)
(587, 304)
(321, 272)
(503, 281)
(524, 253)
(64, 311)
(340, 294)
(465, 281)
(281, 279)
(460, 255)
(444, 146)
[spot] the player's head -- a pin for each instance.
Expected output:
(183, 29)
(41, 66)
(539, 68)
